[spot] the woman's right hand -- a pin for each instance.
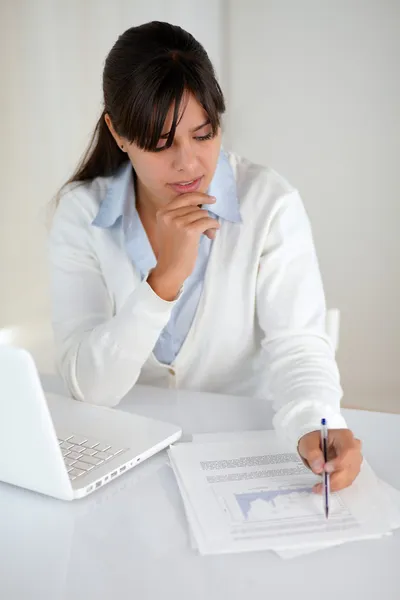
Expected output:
(179, 227)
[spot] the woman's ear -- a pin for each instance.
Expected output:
(115, 135)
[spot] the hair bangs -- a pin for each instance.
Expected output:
(145, 118)
(146, 114)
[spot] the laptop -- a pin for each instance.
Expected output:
(62, 447)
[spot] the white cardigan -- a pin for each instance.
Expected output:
(259, 329)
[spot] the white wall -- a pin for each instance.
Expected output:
(52, 54)
(315, 93)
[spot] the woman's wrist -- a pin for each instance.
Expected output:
(164, 285)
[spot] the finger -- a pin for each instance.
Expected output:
(194, 217)
(340, 479)
(346, 459)
(341, 439)
(188, 216)
(339, 463)
(316, 461)
(310, 450)
(189, 199)
(182, 211)
(317, 489)
(203, 225)
(210, 233)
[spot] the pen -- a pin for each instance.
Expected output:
(324, 446)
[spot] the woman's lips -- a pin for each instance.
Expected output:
(182, 189)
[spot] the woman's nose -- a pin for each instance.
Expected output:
(185, 159)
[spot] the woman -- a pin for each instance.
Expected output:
(176, 263)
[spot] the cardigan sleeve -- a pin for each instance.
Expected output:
(99, 354)
(301, 369)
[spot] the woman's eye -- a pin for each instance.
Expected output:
(199, 138)
(204, 137)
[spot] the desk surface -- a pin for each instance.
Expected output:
(130, 539)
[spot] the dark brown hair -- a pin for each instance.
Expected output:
(148, 69)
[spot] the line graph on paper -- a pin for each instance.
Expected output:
(280, 503)
(254, 505)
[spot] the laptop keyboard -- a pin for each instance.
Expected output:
(82, 455)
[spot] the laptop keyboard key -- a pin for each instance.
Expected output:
(76, 473)
(75, 455)
(84, 466)
(90, 443)
(78, 449)
(69, 461)
(103, 455)
(117, 451)
(77, 439)
(102, 447)
(66, 445)
(89, 451)
(92, 460)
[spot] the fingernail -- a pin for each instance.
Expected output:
(329, 468)
(317, 465)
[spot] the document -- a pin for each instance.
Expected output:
(251, 493)
(392, 497)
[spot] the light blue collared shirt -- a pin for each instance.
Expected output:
(119, 206)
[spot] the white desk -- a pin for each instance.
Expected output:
(130, 541)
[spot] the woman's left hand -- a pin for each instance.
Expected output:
(344, 457)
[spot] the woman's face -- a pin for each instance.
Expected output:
(191, 156)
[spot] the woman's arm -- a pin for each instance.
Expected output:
(301, 369)
(99, 354)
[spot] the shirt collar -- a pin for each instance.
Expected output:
(121, 191)
(223, 188)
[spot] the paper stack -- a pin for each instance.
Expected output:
(247, 492)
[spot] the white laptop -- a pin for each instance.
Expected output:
(62, 447)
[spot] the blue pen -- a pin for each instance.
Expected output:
(324, 446)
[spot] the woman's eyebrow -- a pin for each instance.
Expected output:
(165, 135)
